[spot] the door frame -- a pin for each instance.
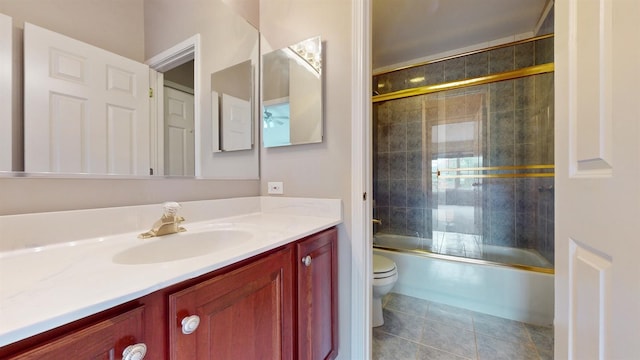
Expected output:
(361, 180)
(174, 56)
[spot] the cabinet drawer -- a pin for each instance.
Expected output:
(106, 339)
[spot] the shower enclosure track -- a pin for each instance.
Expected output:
(426, 253)
(429, 89)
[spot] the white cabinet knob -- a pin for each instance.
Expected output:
(134, 352)
(306, 260)
(190, 324)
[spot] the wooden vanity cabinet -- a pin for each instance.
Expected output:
(275, 307)
(243, 314)
(317, 290)
(278, 305)
(106, 340)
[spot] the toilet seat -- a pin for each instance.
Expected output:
(383, 267)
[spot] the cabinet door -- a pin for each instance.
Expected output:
(244, 314)
(105, 340)
(318, 296)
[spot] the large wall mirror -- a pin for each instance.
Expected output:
(292, 94)
(88, 70)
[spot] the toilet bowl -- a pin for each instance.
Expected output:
(385, 275)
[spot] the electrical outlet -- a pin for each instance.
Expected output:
(275, 187)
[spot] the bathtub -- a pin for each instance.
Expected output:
(512, 292)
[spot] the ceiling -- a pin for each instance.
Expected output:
(405, 30)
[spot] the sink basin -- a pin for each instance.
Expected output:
(182, 246)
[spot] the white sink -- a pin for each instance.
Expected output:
(183, 245)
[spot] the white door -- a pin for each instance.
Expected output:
(597, 290)
(179, 133)
(6, 114)
(86, 110)
(236, 124)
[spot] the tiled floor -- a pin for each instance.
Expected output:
(421, 330)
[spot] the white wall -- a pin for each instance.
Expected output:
(90, 21)
(22, 195)
(248, 9)
(319, 170)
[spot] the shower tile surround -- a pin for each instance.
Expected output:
(420, 329)
(514, 119)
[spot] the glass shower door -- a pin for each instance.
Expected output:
(456, 156)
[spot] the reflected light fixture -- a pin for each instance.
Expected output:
(310, 51)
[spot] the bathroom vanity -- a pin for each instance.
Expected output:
(277, 300)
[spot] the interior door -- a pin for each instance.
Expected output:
(597, 291)
(236, 124)
(6, 115)
(86, 110)
(179, 133)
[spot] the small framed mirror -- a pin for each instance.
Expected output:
(292, 108)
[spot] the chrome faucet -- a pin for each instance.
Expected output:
(377, 221)
(169, 223)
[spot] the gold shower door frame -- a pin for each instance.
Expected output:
(474, 173)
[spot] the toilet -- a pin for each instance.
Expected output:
(385, 276)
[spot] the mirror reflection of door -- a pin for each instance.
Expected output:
(232, 88)
(85, 108)
(179, 128)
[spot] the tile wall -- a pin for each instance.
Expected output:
(513, 122)
(480, 64)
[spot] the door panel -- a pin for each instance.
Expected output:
(590, 274)
(591, 74)
(67, 116)
(86, 110)
(121, 140)
(597, 190)
(6, 114)
(179, 132)
(236, 124)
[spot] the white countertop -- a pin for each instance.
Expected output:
(48, 286)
